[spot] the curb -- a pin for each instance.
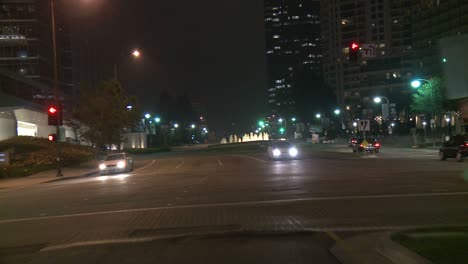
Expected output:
(92, 173)
(375, 248)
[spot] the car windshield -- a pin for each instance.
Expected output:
(282, 144)
(231, 131)
(115, 157)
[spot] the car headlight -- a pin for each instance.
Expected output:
(293, 152)
(276, 152)
(121, 164)
(102, 166)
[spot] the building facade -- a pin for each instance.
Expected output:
(293, 51)
(26, 49)
(432, 21)
(382, 29)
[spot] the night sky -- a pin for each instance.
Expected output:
(213, 50)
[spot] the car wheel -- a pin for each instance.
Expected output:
(354, 150)
(376, 151)
(442, 155)
(459, 157)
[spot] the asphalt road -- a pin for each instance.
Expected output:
(330, 193)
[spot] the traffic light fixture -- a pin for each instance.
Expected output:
(52, 137)
(55, 115)
(353, 51)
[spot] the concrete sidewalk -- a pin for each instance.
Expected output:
(374, 248)
(83, 170)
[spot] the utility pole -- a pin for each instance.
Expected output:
(55, 87)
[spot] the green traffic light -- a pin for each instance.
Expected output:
(261, 123)
(281, 130)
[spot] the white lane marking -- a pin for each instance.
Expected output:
(220, 163)
(152, 162)
(180, 165)
(249, 157)
(331, 198)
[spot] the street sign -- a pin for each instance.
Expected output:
(363, 125)
(368, 50)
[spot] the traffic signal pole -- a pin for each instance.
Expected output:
(55, 86)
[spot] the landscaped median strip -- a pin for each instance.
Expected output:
(440, 245)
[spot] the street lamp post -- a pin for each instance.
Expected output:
(425, 133)
(385, 107)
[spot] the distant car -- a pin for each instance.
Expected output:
(282, 150)
(456, 147)
(116, 162)
(373, 145)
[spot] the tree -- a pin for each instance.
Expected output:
(430, 98)
(104, 114)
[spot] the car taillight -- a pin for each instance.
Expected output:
(377, 144)
(361, 145)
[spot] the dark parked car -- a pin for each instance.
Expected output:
(373, 145)
(456, 147)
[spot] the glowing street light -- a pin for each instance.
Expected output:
(193, 126)
(293, 119)
(354, 124)
(318, 116)
(176, 125)
(377, 100)
(392, 124)
(424, 123)
(157, 119)
(280, 120)
(147, 116)
(337, 111)
(136, 53)
(416, 83)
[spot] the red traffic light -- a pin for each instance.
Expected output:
(52, 137)
(53, 110)
(354, 46)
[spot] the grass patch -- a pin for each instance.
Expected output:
(440, 245)
(148, 150)
(30, 155)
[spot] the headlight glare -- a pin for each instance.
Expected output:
(293, 152)
(276, 152)
(121, 164)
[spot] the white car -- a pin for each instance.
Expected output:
(283, 150)
(116, 162)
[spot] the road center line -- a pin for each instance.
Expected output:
(248, 203)
(220, 163)
(180, 165)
